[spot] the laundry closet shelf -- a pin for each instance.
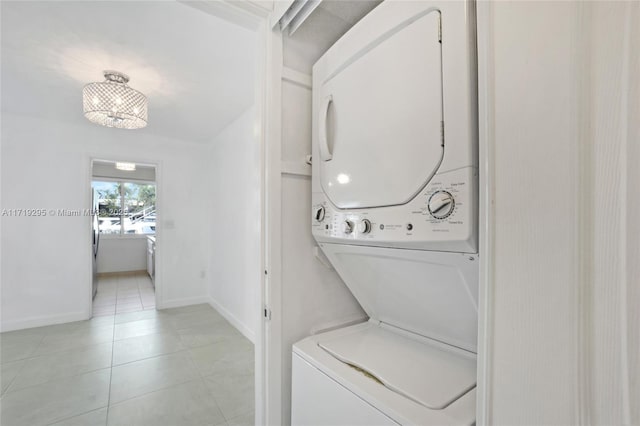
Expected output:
(297, 168)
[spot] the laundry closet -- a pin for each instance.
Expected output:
(385, 211)
(557, 104)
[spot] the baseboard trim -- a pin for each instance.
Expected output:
(186, 301)
(43, 321)
(122, 273)
(233, 320)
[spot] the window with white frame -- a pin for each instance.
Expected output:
(125, 207)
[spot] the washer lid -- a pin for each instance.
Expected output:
(430, 375)
(380, 117)
(433, 294)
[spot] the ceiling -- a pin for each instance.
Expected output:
(322, 28)
(196, 69)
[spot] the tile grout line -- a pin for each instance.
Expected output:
(204, 382)
(77, 415)
(6, 391)
(200, 374)
(114, 284)
(150, 392)
(186, 349)
(32, 354)
(204, 378)
(60, 351)
(149, 357)
(24, 362)
(139, 295)
(79, 347)
(31, 357)
(54, 380)
(129, 277)
(113, 337)
(172, 330)
(92, 371)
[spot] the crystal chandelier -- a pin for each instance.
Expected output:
(112, 103)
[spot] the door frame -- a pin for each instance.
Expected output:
(268, 343)
(255, 16)
(159, 287)
(486, 210)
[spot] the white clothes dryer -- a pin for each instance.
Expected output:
(394, 195)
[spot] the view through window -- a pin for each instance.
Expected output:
(126, 207)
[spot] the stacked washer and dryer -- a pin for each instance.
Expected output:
(395, 184)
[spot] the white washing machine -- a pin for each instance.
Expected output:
(395, 211)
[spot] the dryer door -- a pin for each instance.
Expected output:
(379, 117)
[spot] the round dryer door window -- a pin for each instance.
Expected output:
(380, 118)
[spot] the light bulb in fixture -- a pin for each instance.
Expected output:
(128, 167)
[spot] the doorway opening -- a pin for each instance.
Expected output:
(124, 243)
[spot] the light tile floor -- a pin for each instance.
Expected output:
(175, 367)
(124, 292)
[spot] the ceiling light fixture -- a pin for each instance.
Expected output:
(112, 103)
(128, 167)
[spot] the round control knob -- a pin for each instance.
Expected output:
(364, 226)
(347, 227)
(319, 214)
(441, 204)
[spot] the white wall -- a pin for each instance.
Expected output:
(234, 187)
(560, 104)
(122, 254)
(46, 264)
(313, 297)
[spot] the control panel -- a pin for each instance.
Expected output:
(441, 217)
